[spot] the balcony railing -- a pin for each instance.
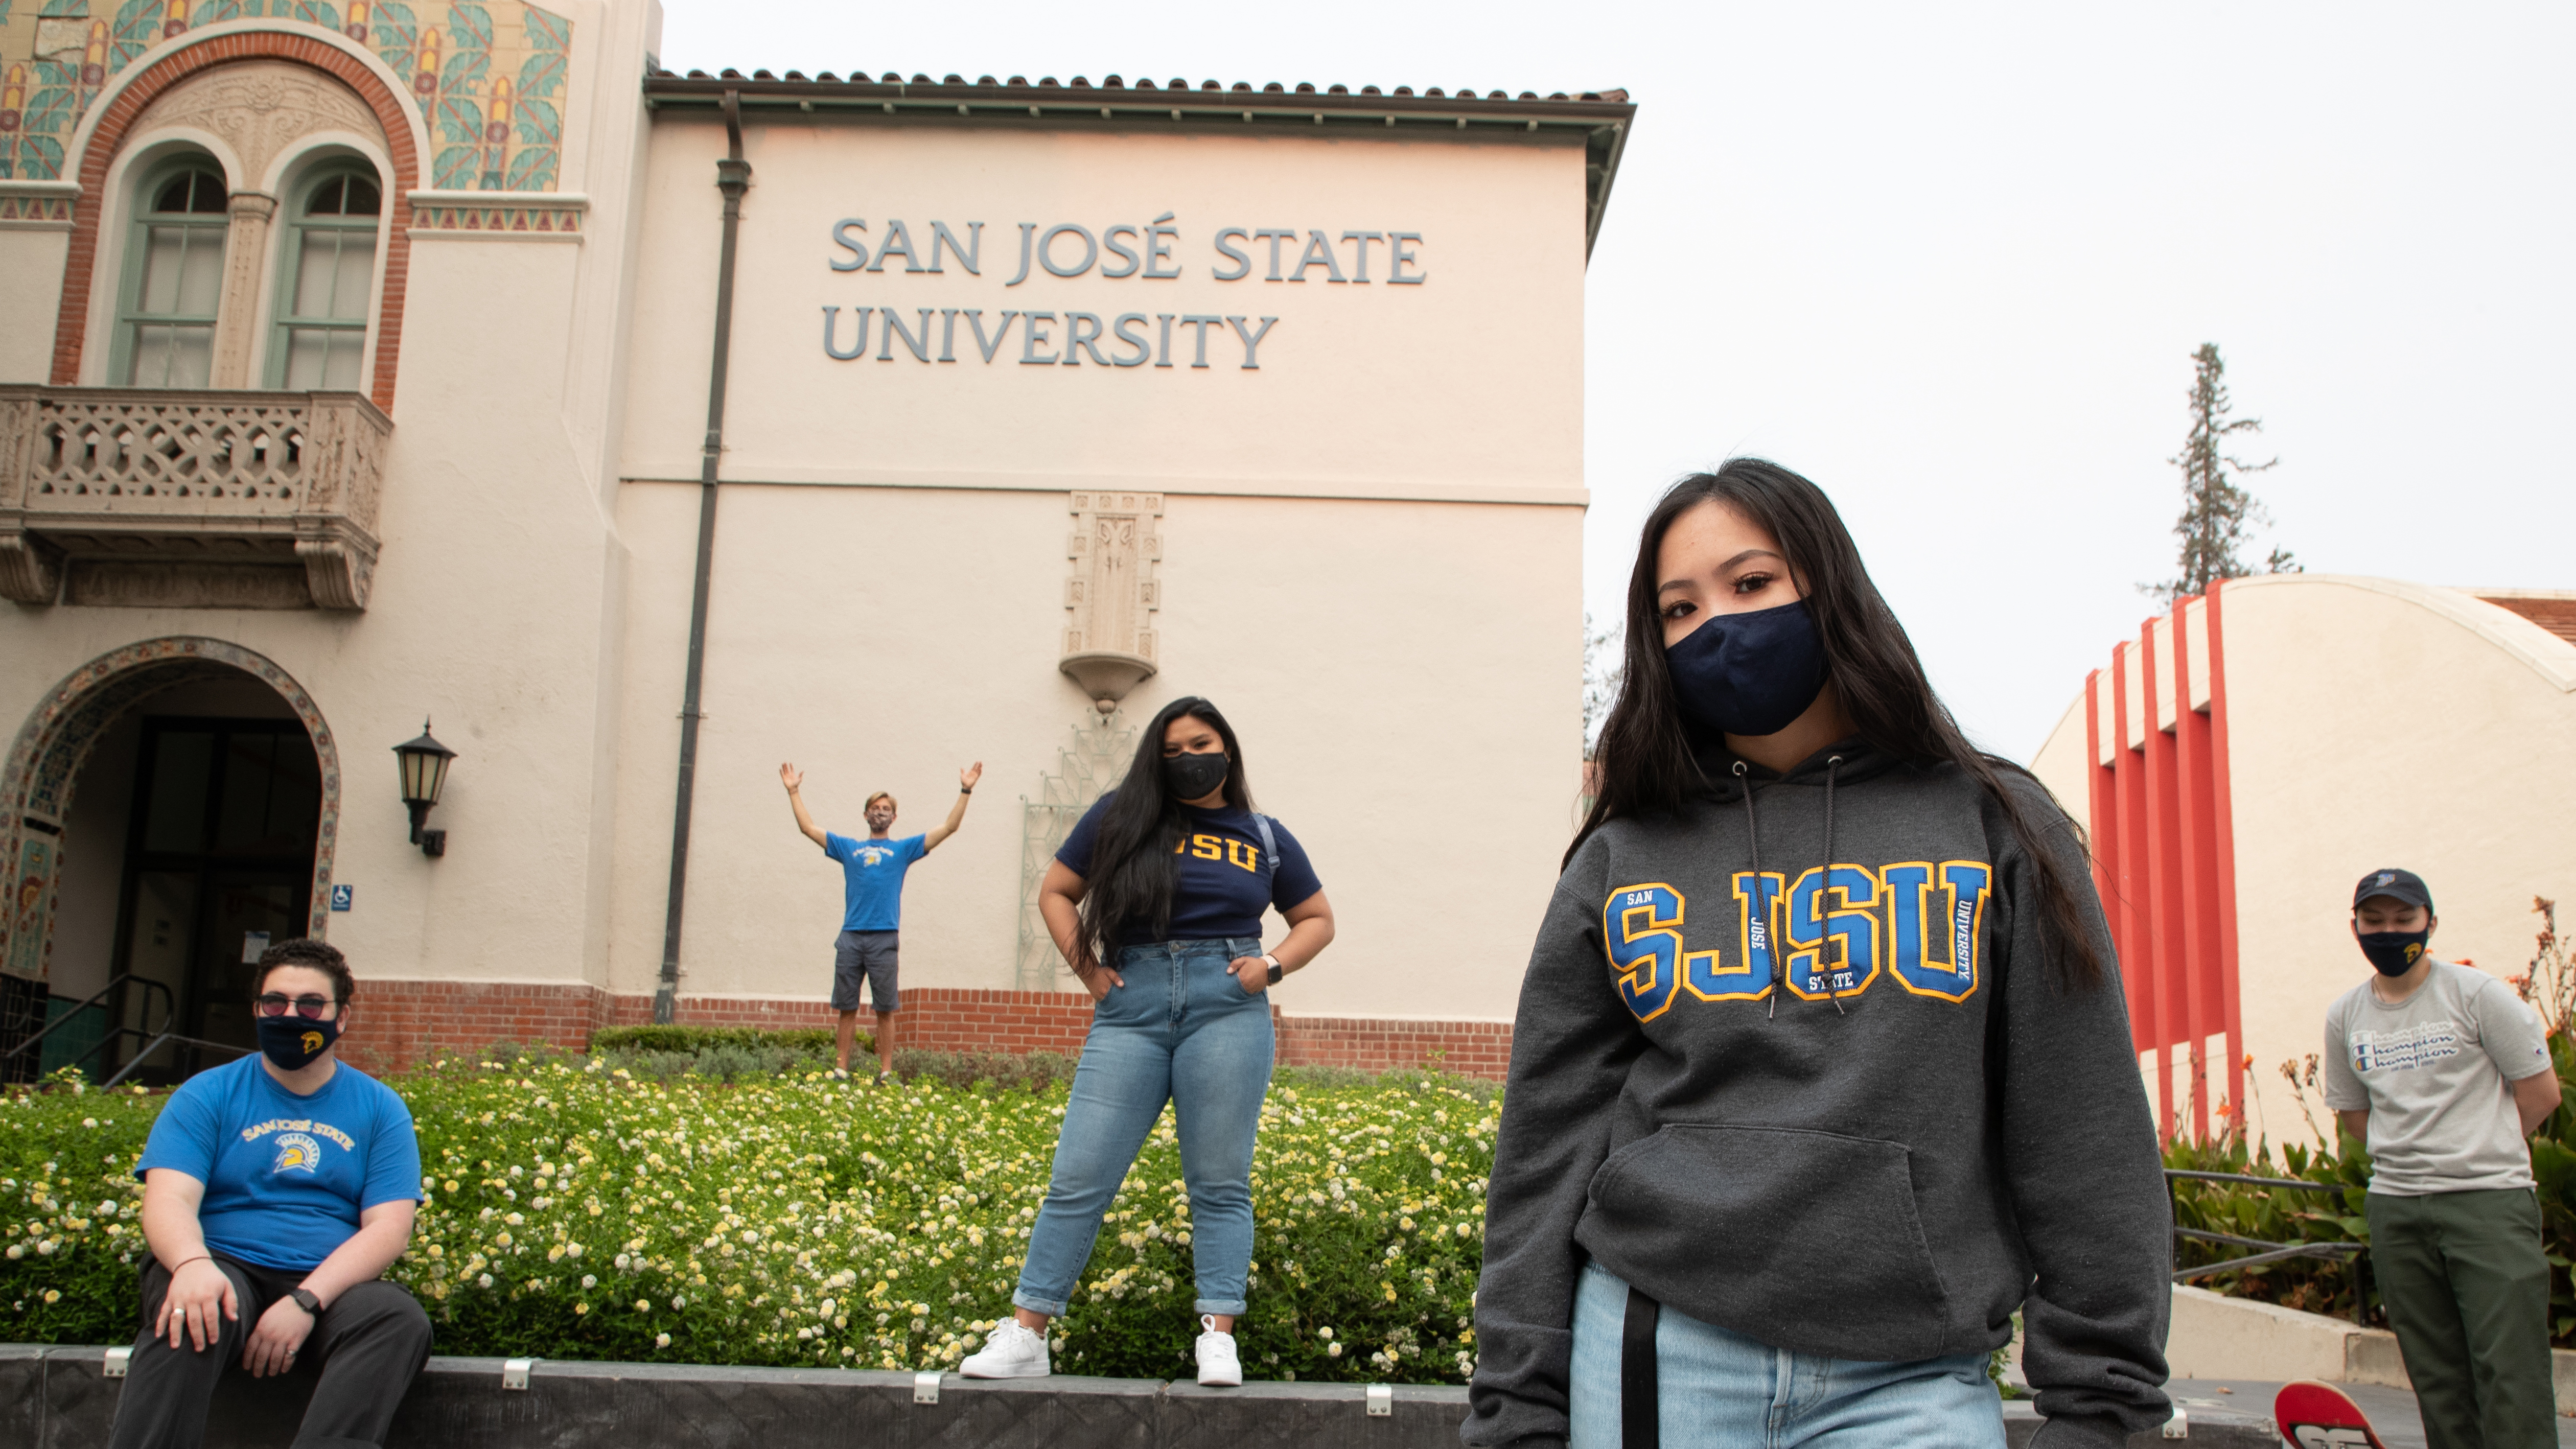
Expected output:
(166, 496)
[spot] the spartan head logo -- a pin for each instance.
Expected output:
(296, 1152)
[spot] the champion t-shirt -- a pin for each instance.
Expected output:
(872, 879)
(1224, 882)
(286, 1176)
(2435, 1071)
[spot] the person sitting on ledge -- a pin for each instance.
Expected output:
(276, 1191)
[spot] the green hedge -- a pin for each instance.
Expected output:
(695, 1039)
(579, 1210)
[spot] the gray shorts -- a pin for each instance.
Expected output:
(864, 957)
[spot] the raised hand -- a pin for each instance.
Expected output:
(791, 777)
(967, 777)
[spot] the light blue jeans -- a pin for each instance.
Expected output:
(1181, 1030)
(1720, 1390)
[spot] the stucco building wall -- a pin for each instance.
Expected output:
(1367, 547)
(2373, 722)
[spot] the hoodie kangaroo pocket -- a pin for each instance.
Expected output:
(1804, 1240)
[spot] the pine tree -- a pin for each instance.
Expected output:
(2217, 512)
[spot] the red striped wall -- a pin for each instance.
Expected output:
(2164, 859)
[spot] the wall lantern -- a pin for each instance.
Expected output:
(424, 774)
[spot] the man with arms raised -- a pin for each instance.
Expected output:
(2444, 1072)
(276, 1189)
(872, 872)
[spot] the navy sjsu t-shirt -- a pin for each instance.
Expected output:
(286, 1176)
(1224, 882)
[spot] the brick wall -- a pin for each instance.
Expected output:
(399, 1023)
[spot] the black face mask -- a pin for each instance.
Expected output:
(294, 1041)
(1749, 674)
(2394, 953)
(1192, 776)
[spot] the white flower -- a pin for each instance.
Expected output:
(1333, 1350)
(484, 1281)
(679, 1300)
(660, 1340)
(587, 1281)
(643, 1305)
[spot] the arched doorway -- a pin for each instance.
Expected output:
(171, 806)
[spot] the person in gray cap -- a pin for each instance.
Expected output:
(2443, 1072)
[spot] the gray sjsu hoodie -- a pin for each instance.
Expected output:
(1872, 1138)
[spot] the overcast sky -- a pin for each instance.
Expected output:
(1951, 262)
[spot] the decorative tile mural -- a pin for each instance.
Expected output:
(488, 77)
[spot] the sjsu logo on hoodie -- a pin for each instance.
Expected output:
(1831, 933)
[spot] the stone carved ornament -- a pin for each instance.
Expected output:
(1111, 594)
(259, 108)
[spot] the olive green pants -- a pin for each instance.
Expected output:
(2468, 1292)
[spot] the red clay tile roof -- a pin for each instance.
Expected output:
(1600, 118)
(2555, 613)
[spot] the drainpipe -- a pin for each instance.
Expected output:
(733, 176)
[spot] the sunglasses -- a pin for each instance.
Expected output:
(309, 1007)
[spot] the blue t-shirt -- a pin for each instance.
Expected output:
(872, 879)
(1224, 884)
(286, 1176)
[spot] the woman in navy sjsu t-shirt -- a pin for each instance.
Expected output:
(1156, 901)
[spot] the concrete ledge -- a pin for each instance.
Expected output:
(58, 1398)
(2215, 1336)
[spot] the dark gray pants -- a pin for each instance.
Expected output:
(367, 1347)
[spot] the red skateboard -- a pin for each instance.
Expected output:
(2320, 1416)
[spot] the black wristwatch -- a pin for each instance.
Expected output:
(1276, 970)
(305, 1300)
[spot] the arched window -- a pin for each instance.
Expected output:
(330, 257)
(174, 278)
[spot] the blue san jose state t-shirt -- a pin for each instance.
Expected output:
(286, 1176)
(1224, 884)
(872, 879)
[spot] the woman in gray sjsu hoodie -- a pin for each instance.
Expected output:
(1821, 1069)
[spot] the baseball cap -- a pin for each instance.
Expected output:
(2403, 885)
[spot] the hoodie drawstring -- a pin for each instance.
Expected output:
(1827, 881)
(1753, 839)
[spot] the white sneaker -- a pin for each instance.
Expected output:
(1015, 1351)
(1219, 1368)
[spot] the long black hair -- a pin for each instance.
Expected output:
(1644, 764)
(1132, 865)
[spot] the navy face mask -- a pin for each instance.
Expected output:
(1192, 776)
(2394, 953)
(1749, 674)
(293, 1041)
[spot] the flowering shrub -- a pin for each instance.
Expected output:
(576, 1211)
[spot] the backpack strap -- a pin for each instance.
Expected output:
(1269, 844)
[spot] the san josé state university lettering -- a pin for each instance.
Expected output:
(298, 1124)
(1148, 251)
